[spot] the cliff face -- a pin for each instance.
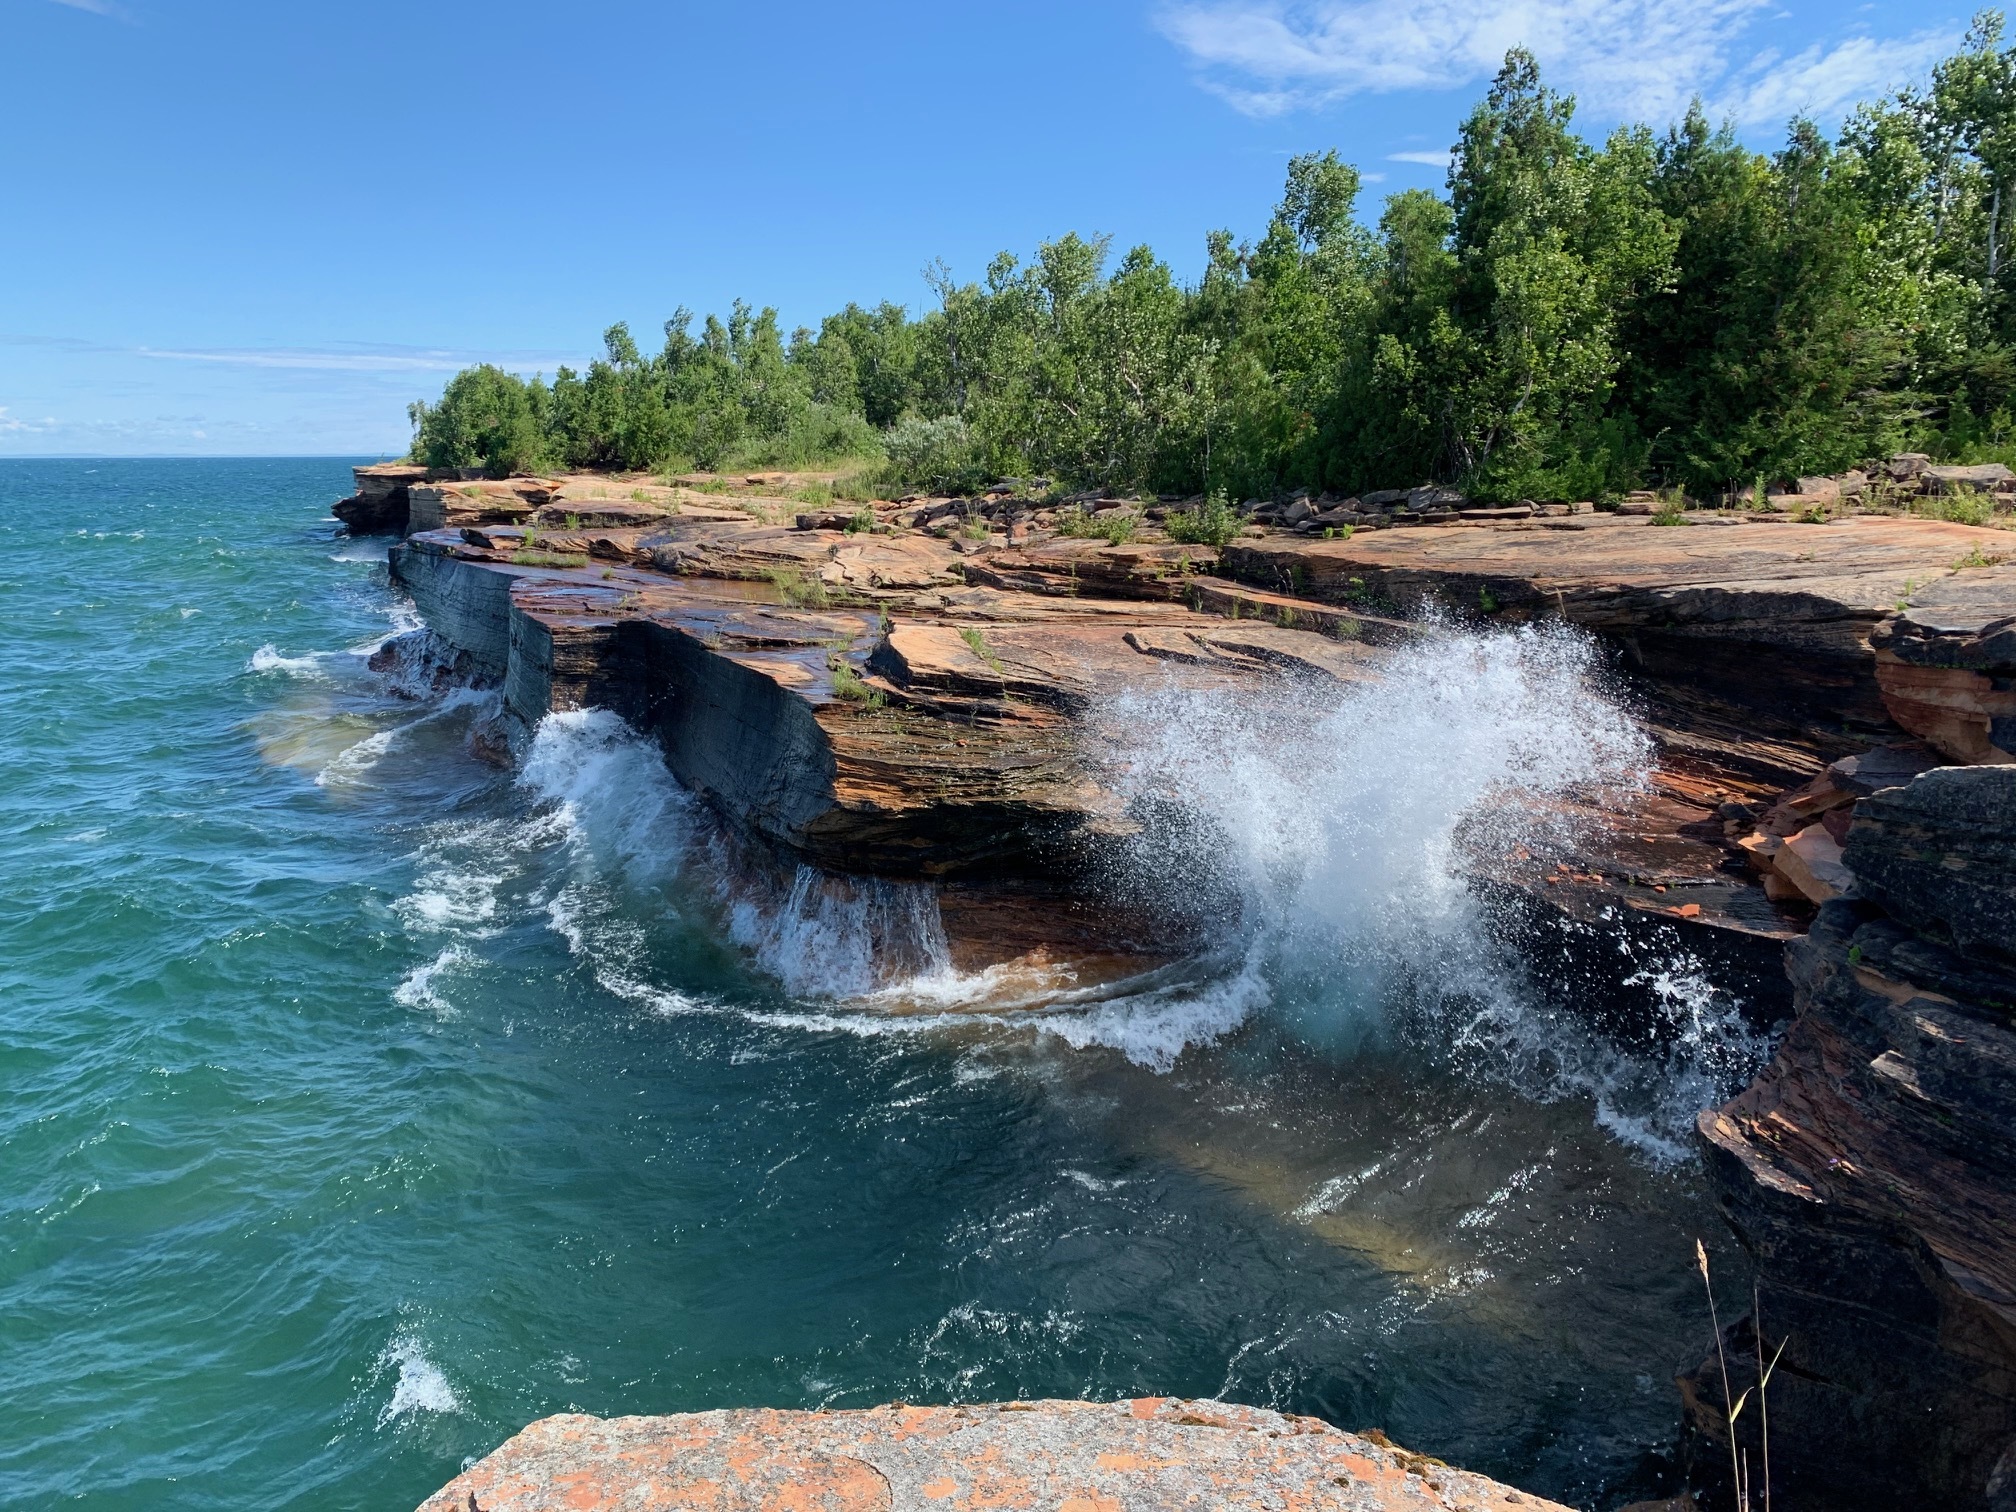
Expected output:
(383, 500)
(904, 692)
(1761, 630)
(1870, 1172)
(1015, 1457)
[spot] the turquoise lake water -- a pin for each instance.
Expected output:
(364, 1101)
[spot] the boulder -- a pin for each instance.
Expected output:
(1817, 490)
(1982, 478)
(1429, 496)
(1056, 1456)
(1906, 465)
(1811, 862)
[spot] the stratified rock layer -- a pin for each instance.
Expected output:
(1154, 1453)
(1870, 1171)
(1772, 622)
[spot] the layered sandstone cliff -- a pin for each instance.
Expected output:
(1870, 1172)
(906, 691)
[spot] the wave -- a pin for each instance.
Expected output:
(354, 761)
(417, 989)
(268, 659)
(1333, 828)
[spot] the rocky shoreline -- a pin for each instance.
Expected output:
(900, 695)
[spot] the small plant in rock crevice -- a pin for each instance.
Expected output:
(977, 644)
(847, 684)
(798, 589)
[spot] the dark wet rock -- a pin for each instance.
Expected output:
(1870, 1172)
(383, 498)
(1939, 856)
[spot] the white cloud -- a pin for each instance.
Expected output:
(361, 360)
(1821, 81)
(1432, 159)
(98, 8)
(9, 425)
(1636, 59)
(322, 362)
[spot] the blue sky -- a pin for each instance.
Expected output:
(244, 227)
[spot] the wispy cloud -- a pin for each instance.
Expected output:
(321, 362)
(99, 8)
(11, 426)
(1639, 59)
(360, 360)
(1432, 159)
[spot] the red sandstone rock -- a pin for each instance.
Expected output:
(1153, 1453)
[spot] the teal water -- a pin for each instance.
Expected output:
(364, 1101)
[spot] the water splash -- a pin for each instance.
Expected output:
(1332, 828)
(840, 937)
(420, 1386)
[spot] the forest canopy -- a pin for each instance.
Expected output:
(1567, 320)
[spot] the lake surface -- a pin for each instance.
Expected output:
(364, 1101)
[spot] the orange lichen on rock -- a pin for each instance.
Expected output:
(1057, 1456)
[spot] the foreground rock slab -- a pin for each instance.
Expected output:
(1154, 1452)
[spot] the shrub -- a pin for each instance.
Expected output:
(929, 453)
(1212, 523)
(1113, 528)
(1964, 507)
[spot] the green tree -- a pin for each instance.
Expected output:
(485, 418)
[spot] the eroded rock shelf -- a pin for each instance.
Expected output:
(910, 691)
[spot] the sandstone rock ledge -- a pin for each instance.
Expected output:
(1155, 1452)
(1870, 1172)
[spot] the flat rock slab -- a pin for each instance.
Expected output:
(1156, 1452)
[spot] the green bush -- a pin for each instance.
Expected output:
(1113, 528)
(1212, 523)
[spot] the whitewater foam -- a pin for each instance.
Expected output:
(1336, 826)
(841, 937)
(268, 659)
(418, 989)
(354, 761)
(420, 1387)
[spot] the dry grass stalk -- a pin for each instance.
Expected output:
(1739, 1460)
